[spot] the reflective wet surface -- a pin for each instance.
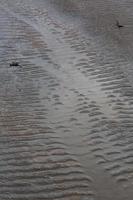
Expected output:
(66, 111)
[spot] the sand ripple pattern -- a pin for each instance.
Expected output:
(66, 113)
(34, 161)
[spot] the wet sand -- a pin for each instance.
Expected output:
(66, 113)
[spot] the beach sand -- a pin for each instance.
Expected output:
(66, 100)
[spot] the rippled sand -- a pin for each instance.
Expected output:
(66, 112)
